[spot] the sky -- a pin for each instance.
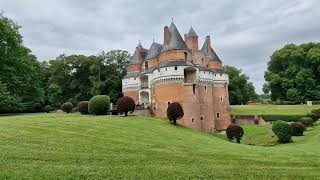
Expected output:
(243, 33)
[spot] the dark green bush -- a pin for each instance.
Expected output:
(307, 121)
(234, 132)
(75, 109)
(316, 114)
(125, 104)
(99, 105)
(313, 116)
(47, 109)
(282, 130)
(67, 107)
(287, 118)
(83, 107)
(297, 128)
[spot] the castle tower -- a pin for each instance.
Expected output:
(177, 71)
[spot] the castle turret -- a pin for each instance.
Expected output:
(212, 57)
(174, 46)
(191, 39)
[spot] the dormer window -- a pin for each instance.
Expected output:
(146, 65)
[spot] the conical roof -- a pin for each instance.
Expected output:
(175, 40)
(209, 52)
(142, 54)
(192, 33)
(154, 50)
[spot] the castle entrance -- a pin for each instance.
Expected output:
(144, 98)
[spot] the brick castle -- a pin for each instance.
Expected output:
(178, 71)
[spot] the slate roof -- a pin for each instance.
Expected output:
(212, 56)
(174, 63)
(175, 40)
(192, 33)
(154, 50)
(143, 54)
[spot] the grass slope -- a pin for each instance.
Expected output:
(73, 146)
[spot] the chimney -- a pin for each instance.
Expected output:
(166, 35)
(208, 43)
(137, 55)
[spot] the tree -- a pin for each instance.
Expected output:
(240, 89)
(125, 104)
(19, 69)
(55, 95)
(175, 112)
(293, 73)
(234, 132)
(9, 103)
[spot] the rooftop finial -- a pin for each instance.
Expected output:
(171, 19)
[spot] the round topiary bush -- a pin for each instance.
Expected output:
(125, 104)
(316, 114)
(83, 107)
(175, 112)
(313, 116)
(234, 132)
(47, 109)
(282, 130)
(67, 107)
(99, 105)
(307, 121)
(297, 128)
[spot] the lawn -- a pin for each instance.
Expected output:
(272, 109)
(74, 146)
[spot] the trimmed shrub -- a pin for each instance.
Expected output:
(316, 114)
(67, 107)
(234, 132)
(175, 112)
(297, 129)
(75, 109)
(83, 107)
(313, 116)
(125, 104)
(282, 130)
(47, 109)
(287, 118)
(307, 121)
(99, 105)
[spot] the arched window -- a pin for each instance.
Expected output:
(193, 121)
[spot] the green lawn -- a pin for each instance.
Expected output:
(73, 146)
(272, 109)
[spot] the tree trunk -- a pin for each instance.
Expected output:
(125, 113)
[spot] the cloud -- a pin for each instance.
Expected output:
(244, 33)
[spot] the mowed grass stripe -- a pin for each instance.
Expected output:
(54, 146)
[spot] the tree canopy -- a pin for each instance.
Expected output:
(293, 73)
(240, 89)
(20, 72)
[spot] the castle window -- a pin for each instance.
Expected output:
(220, 74)
(185, 56)
(205, 88)
(202, 61)
(221, 98)
(146, 65)
(168, 103)
(158, 70)
(175, 68)
(215, 74)
(193, 121)
(134, 78)
(166, 69)
(194, 88)
(218, 115)
(201, 118)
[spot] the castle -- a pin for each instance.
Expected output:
(178, 71)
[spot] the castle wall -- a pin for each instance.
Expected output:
(133, 94)
(173, 54)
(221, 106)
(134, 67)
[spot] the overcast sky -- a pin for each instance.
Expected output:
(243, 33)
